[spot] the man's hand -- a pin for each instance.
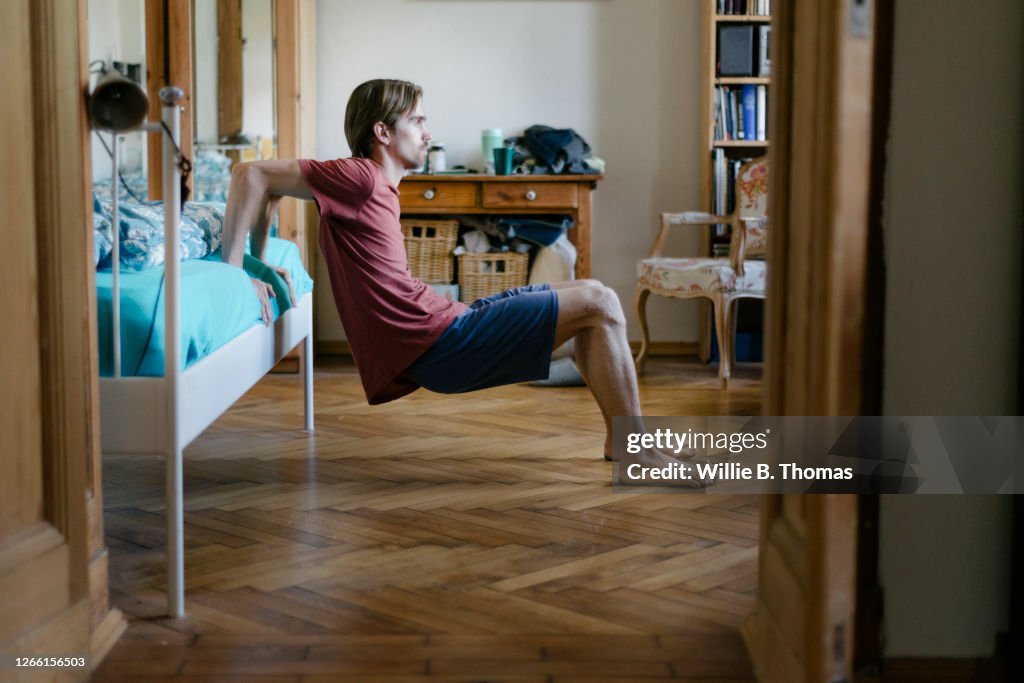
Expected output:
(264, 292)
(287, 277)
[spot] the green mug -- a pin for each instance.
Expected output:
(503, 160)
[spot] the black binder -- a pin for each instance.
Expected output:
(736, 50)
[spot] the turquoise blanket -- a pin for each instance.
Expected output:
(217, 304)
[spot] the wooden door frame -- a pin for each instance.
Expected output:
(823, 310)
(229, 67)
(295, 108)
(55, 569)
(169, 61)
(820, 207)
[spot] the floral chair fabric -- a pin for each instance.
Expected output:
(757, 239)
(752, 189)
(699, 275)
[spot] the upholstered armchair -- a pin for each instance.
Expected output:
(723, 281)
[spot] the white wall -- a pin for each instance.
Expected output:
(623, 73)
(953, 218)
(117, 32)
(945, 572)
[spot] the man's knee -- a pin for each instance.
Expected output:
(589, 282)
(614, 307)
(605, 304)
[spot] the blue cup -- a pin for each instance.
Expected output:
(503, 160)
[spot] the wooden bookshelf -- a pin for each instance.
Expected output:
(760, 144)
(733, 149)
(741, 80)
(747, 18)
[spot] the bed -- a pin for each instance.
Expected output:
(174, 358)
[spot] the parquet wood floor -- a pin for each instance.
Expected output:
(436, 538)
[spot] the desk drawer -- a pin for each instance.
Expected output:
(420, 195)
(527, 195)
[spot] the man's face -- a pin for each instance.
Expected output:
(410, 137)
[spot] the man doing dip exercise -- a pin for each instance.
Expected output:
(404, 335)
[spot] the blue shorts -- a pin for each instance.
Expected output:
(503, 339)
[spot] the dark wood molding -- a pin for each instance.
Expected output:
(867, 645)
(947, 670)
(229, 67)
(168, 61)
(1013, 644)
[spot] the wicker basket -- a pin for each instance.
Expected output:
(482, 275)
(429, 245)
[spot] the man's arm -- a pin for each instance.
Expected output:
(255, 189)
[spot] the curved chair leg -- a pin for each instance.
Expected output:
(641, 314)
(722, 322)
(732, 314)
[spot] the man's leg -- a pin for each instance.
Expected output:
(592, 314)
(587, 309)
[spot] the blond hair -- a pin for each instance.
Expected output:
(382, 99)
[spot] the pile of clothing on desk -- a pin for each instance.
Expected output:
(546, 150)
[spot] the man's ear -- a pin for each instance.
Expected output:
(381, 133)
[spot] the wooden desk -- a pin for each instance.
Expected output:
(568, 195)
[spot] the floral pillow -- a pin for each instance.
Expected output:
(212, 176)
(209, 218)
(142, 232)
(102, 239)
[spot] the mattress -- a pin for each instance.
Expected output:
(217, 304)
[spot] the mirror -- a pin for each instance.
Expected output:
(233, 96)
(117, 37)
(179, 42)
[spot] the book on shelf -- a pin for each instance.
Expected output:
(719, 197)
(761, 8)
(725, 172)
(735, 50)
(764, 55)
(737, 113)
(722, 131)
(719, 114)
(740, 112)
(762, 112)
(749, 112)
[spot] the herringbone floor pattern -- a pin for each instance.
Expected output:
(456, 538)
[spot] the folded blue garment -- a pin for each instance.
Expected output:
(544, 231)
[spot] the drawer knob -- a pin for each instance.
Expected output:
(429, 194)
(530, 195)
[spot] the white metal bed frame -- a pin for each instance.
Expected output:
(162, 415)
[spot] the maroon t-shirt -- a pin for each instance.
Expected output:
(390, 317)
